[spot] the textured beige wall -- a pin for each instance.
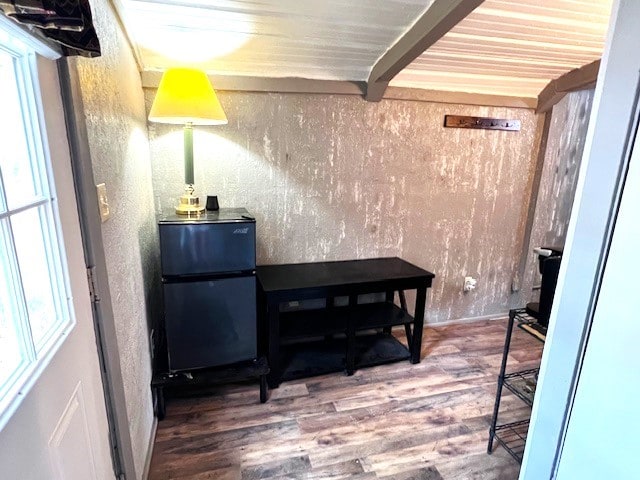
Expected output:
(565, 144)
(117, 129)
(335, 177)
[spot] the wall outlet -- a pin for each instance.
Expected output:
(469, 284)
(103, 202)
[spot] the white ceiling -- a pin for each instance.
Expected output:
(504, 47)
(512, 47)
(320, 39)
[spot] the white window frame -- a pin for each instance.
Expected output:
(24, 48)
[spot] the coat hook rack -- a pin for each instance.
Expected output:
(460, 121)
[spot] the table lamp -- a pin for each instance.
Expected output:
(185, 96)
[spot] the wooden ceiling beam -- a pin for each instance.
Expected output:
(458, 98)
(576, 79)
(243, 83)
(432, 25)
(232, 83)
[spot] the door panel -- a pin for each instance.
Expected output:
(71, 440)
(604, 421)
(60, 428)
(210, 322)
(199, 249)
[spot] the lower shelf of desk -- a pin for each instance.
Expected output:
(181, 383)
(308, 359)
(326, 321)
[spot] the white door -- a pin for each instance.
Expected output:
(53, 422)
(604, 422)
(597, 289)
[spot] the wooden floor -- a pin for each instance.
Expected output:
(400, 421)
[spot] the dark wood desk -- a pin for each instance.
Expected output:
(341, 348)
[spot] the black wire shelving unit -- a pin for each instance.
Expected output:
(522, 384)
(513, 436)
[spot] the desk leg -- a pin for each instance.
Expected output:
(416, 341)
(407, 328)
(264, 391)
(389, 299)
(351, 335)
(263, 326)
(160, 405)
(273, 319)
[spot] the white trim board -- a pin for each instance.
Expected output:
(481, 318)
(151, 443)
(599, 185)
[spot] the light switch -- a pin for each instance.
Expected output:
(103, 202)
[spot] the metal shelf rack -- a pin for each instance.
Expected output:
(522, 384)
(512, 436)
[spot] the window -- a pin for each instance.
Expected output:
(34, 300)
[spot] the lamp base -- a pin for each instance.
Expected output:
(189, 204)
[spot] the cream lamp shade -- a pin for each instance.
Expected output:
(185, 95)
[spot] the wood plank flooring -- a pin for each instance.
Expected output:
(403, 422)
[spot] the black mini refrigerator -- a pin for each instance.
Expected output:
(209, 288)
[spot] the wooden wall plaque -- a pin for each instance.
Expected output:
(459, 121)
